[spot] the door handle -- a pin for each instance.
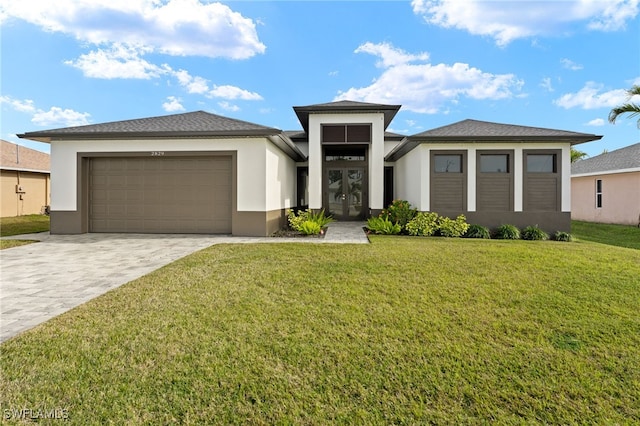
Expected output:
(344, 197)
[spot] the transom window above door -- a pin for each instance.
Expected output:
(346, 133)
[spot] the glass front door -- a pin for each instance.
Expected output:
(345, 193)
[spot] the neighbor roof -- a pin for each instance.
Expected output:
(21, 158)
(338, 107)
(627, 158)
(485, 131)
(198, 123)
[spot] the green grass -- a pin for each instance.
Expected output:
(23, 225)
(5, 244)
(615, 235)
(405, 330)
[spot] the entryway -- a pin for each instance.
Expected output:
(345, 193)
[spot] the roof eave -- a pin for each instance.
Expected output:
(49, 137)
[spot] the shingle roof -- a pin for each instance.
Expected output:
(485, 131)
(17, 157)
(620, 159)
(198, 123)
(474, 129)
(303, 112)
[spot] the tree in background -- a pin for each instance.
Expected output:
(628, 107)
(577, 155)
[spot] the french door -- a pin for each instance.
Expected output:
(345, 196)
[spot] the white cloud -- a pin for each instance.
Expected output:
(592, 96)
(570, 65)
(227, 106)
(506, 21)
(174, 27)
(390, 55)
(57, 116)
(172, 104)
(597, 122)
(425, 88)
(18, 105)
(119, 61)
(546, 84)
(232, 92)
(192, 84)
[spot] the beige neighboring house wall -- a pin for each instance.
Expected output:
(24, 180)
(619, 175)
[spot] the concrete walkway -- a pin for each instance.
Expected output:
(42, 280)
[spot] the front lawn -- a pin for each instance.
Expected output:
(615, 235)
(19, 225)
(401, 331)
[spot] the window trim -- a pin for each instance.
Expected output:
(599, 193)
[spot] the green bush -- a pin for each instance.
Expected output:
(320, 218)
(310, 228)
(562, 236)
(423, 224)
(507, 232)
(477, 231)
(448, 227)
(382, 225)
(296, 220)
(400, 212)
(533, 233)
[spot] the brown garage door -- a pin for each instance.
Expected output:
(160, 195)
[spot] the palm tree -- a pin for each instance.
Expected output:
(629, 107)
(577, 155)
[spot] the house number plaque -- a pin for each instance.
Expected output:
(157, 153)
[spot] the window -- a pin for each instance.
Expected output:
(346, 133)
(303, 187)
(541, 163)
(598, 193)
(444, 163)
(494, 163)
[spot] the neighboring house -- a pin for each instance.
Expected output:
(24, 175)
(606, 188)
(203, 173)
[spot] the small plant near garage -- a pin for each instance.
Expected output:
(448, 227)
(478, 231)
(400, 212)
(507, 232)
(562, 236)
(423, 224)
(382, 225)
(534, 233)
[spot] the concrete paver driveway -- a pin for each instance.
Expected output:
(42, 280)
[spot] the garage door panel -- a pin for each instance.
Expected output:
(157, 195)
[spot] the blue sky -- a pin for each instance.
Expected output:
(557, 64)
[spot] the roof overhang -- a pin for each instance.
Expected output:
(303, 112)
(410, 142)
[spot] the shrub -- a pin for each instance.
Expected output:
(320, 218)
(562, 236)
(477, 231)
(400, 212)
(423, 224)
(507, 232)
(310, 227)
(452, 228)
(382, 225)
(296, 220)
(533, 233)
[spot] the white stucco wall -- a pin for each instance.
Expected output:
(258, 162)
(376, 154)
(412, 171)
